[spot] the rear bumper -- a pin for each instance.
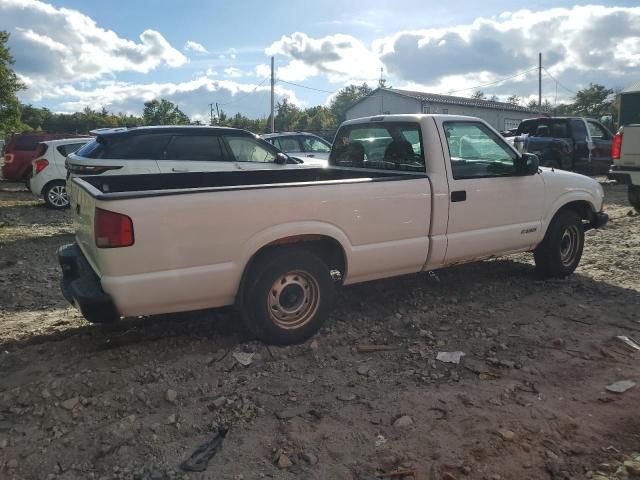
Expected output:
(81, 286)
(625, 175)
(15, 171)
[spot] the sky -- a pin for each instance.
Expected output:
(72, 54)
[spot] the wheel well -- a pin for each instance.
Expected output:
(580, 207)
(327, 248)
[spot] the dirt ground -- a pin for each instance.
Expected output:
(133, 400)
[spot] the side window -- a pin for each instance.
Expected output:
(246, 149)
(477, 152)
(579, 130)
(205, 148)
(597, 131)
(288, 144)
(389, 146)
(136, 147)
(69, 148)
(316, 145)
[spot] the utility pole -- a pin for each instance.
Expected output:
(273, 84)
(218, 112)
(540, 82)
(211, 113)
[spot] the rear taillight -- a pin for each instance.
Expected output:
(112, 229)
(41, 164)
(8, 157)
(616, 146)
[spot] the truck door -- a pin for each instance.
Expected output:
(492, 209)
(580, 140)
(602, 140)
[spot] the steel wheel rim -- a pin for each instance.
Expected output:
(293, 299)
(569, 245)
(58, 196)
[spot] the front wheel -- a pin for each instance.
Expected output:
(559, 253)
(288, 296)
(634, 196)
(55, 195)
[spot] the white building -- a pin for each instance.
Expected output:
(386, 101)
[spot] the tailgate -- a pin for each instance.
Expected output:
(630, 154)
(84, 206)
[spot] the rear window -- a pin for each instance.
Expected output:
(69, 148)
(389, 146)
(126, 147)
(27, 143)
(41, 149)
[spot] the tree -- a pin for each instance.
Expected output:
(514, 100)
(479, 95)
(345, 98)
(163, 112)
(9, 87)
(532, 104)
(592, 101)
(287, 115)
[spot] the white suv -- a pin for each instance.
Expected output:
(49, 173)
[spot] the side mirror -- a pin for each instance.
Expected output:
(281, 158)
(529, 164)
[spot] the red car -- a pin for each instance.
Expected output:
(21, 149)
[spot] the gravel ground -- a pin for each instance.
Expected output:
(136, 398)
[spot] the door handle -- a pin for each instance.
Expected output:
(180, 170)
(311, 155)
(459, 196)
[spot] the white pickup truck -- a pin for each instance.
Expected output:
(402, 194)
(626, 161)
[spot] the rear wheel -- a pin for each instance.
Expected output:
(55, 195)
(559, 253)
(288, 296)
(634, 196)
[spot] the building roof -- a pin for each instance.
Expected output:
(634, 87)
(452, 100)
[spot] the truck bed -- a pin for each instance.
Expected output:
(118, 187)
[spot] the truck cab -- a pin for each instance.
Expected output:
(568, 143)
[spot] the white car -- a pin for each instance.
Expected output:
(174, 149)
(49, 173)
(276, 243)
(305, 146)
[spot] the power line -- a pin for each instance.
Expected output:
(245, 95)
(557, 82)
(304, 86)
(493, 83)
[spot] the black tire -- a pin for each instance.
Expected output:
(287, 297)
(566, 162)
(634, 196)
(559, 253)
(55, 195)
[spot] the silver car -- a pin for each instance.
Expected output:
(304, 146)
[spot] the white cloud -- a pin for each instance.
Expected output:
(579, 45)
(61, 45)
(340, 57)
(196, 47)
(192, 96)
(263, 70)
(233, 72)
